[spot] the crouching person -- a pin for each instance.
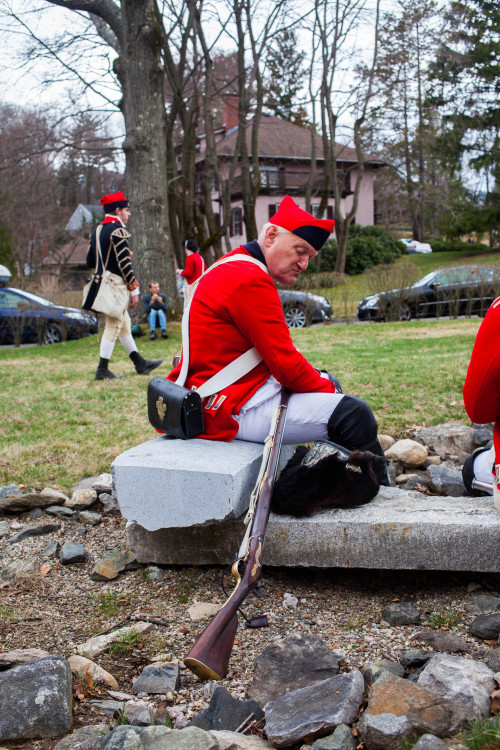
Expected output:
(481, 391)
(235, 308)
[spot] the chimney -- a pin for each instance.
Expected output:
(229, 111)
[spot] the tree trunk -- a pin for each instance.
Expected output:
(141, 76)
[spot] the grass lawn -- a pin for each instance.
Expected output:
(58, 425)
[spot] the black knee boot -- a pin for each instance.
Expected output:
(353, 425)
(143, 366)
(102, 372)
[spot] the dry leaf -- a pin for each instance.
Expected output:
(44, 569)
(495, 702)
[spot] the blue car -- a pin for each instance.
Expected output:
(28, 318)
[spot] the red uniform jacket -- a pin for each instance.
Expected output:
(194, 268)
(236, 307)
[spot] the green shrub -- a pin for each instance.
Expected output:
(366, 247)
(440, 245)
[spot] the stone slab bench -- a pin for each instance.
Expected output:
(167, 483)
(399, 529)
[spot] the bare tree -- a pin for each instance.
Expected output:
(342, 96)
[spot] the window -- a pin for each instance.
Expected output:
(235, 229)
(269, 177)
(11, 300)
(272, 209)
(315, 211)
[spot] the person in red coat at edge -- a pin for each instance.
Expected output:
(481, 394)
(195, 265)
(117, 258)
(236, 307)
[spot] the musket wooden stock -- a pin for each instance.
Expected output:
(209, 656)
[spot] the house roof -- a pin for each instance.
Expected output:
(84, 214)
(72, 253)
(280, 139)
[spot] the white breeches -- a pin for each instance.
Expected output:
(306, 417)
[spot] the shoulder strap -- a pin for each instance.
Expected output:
(234, 370)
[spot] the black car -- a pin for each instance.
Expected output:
(303, 308)
(457, 290)
(28, 318)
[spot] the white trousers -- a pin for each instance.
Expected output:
(306, 417)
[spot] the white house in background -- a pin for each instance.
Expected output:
(84, 214)
(285, 163)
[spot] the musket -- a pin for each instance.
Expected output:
(209, 656)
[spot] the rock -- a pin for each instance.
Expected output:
(482, 603)
(35, 513)
(401, 613)
(226, 712)
(97, 645)
(430, 742)
(46, 528)
(113, 562)
(139, 713)
(20, 568)
(20, 655)
(154, 573)
(483, 435)
(201, 610)
(296, 661)
(157, 678)
(414, 657)
(431, 461)
(85, 738)
(72, 552)
(486, 627)
(448, 439)
(87, 516)
(237, 741)
(158, 738)
(103, 483)
(19, 503)
(110, 708)
(61, 498)
(492, 660)
(447, 481)
(448, 642)
(81, 666)
(408, 453)
(51, 549)
(82, 499)
(341, 739)
(4, 529)
(385, 441)
(315, 710)
(36, 699)
(463, 681)
(399, 709)
(372, 672)
(109, 503)
(10, 489)
(60, 510)
(418, 480)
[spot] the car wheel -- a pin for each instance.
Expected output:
(297, 316)
(52, 334)
(405, 313)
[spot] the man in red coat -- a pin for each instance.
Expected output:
(195, 265)
(235, 307)
(482, 398)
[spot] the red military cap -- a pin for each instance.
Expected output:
(296, 220)
(114, 200)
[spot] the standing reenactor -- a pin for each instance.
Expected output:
(113, 239)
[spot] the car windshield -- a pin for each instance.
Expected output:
(36, 298)
(426, 279)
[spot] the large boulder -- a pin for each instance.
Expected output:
(36, 699)
(464, 681)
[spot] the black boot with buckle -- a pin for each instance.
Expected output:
(143, 366)
(102, 372)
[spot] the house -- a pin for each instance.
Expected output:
(285, 164)
(85, 215)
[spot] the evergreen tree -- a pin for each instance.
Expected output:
(285, 78)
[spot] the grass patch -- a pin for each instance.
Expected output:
(443, 619)
(58, 425)
(125, 644)
(107, 602)
(483, 735)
